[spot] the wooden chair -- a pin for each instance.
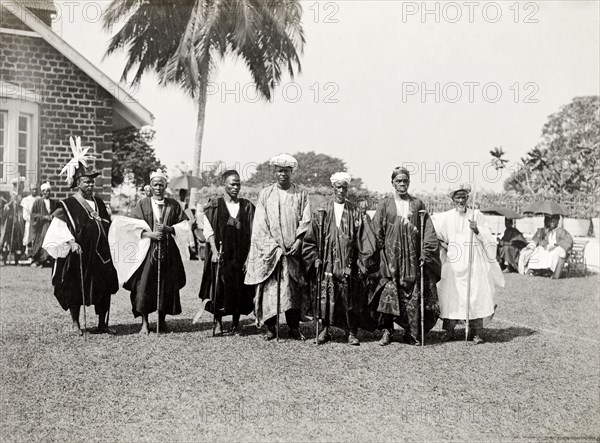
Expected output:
(576, 260)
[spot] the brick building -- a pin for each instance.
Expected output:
(48, 92)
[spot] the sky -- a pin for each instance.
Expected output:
(430, 85)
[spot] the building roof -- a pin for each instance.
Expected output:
(129, 112)
(40, 5)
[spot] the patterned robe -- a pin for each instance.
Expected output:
(12, 230)
(233, 296)
(143, 283)
(348, 251)
(280, 218)
(398, 292)
(88, 228)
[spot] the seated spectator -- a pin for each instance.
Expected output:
(509, 247)
(547, 253)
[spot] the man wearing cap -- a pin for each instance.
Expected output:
(227, 229)
(454, 228)
(348, 245)
(77, 239)
(165, 225)
(280, 222)
(548, 250)
(41, 216)
(27, 205)
(397, 297)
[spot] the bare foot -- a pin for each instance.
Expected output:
(144, 330)
(76, 329)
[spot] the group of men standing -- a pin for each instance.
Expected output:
(279, 258)
(25, 221)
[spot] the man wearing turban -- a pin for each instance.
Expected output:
(454, 228)
(280, 223)
(339, 245)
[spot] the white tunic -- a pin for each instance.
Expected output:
(27, 205)
(453, 228)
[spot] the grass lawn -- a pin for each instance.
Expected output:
(537, 376)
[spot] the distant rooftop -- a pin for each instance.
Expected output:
(40, 5)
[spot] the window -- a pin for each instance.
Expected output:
(19, 120)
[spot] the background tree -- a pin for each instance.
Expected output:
(314, 170)
(182, 40)
(566, 162)
(133, 154)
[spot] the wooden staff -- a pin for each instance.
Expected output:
(278, 271)
(319, 273)
(471, 234)
(215, 285)
(82, 292)
(160, 220)
(422, 235)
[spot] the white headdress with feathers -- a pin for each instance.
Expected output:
(79, 156)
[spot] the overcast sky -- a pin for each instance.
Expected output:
(435, 85)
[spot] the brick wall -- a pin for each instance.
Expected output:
(71, 104)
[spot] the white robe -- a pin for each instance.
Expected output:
(538, 257)
(27, 205)
(452, 227)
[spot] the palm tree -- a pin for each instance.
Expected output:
(182, 40)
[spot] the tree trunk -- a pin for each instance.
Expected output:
(197, 165)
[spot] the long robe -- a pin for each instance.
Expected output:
(545, 250)
(39, 228)
(452, 227)
(348, 251)
(232, 295)
(143, 283)
(12, 230)
(509, 247)
(398, 292)
(27, 205)
(75, 219)
(280, 218)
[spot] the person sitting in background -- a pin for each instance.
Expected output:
(509, 247)
(548, 250)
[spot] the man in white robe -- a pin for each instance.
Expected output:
(27, 205)
(454, 228)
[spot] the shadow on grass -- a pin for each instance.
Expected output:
(491, 335)
(185, 325)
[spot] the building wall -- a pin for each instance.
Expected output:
(71, 103)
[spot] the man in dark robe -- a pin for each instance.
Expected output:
(228, 226)
(77, 239)
(397, 297)
(348, 246)
(41, 216)
(164, 216)
(13, 228)
(509, 247)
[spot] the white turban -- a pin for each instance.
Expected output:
(340, 177)
(45, 186)
(459, 187)
(158, 174)
(284, 161)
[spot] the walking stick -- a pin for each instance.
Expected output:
(422, 235)
(319, 273)
(82, 293)
(214, 292)
(467, 325)
(278, 270)
(160, 220)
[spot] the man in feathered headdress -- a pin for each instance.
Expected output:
(159, 234)
(77, 239)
